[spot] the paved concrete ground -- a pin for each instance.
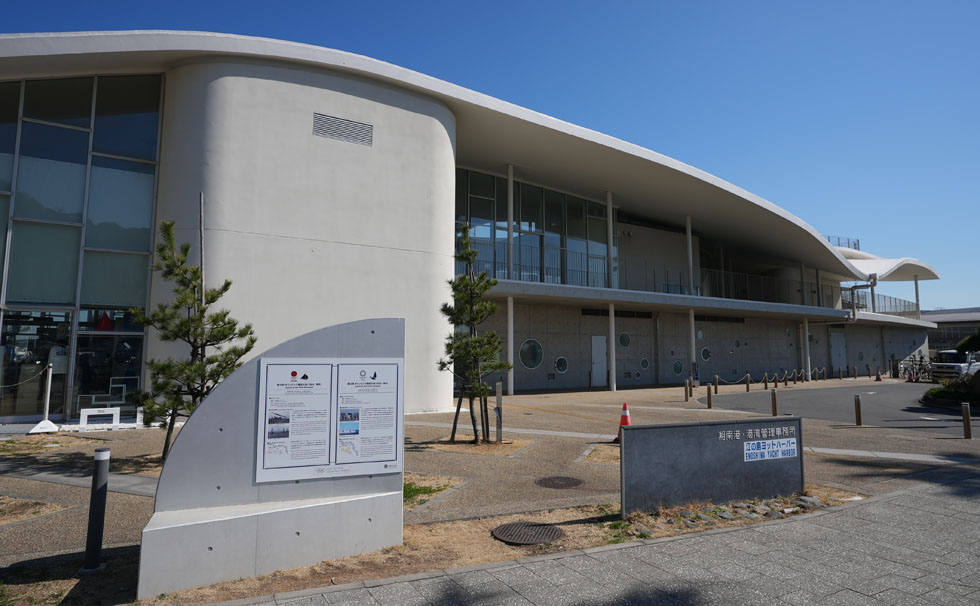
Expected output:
(920, 545)
(887, 404)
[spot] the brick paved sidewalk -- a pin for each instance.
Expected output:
(920, 545)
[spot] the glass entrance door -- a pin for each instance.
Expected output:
(31, 340)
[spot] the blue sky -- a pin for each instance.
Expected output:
(863, 118)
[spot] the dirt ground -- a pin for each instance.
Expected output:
(426, 486)
(425, 547)
(464, 443)
(14, 510)
(603, 453)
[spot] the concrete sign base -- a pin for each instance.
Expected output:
(213, 522)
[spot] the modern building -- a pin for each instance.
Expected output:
(335, 187)
(952, 326)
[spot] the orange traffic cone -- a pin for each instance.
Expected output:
(624, 419)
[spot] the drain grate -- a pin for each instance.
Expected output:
(527, 533)
(560, 482)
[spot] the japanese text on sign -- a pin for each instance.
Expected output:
(770, 449)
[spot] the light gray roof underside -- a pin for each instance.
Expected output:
(490, 134)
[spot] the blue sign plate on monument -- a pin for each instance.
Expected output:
(679, 463)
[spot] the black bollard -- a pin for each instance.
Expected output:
(857, 410)
(96, 514)
(775, 408)
(967, 425)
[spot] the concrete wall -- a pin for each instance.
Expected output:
(314, 231)
(648, 257)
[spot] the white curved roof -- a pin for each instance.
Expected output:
(490, 134)
(904, 269)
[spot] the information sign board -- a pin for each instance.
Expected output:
(328, 417)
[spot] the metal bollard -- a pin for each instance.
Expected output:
(96, 514)
(794, 376)
(775, 408)
(709, 396)
(765, 381)
(855, 372)
(500, 412)
(748, 382)
(967, 427)
(857, 409)
(869, 370)
(785, 378)
(687, 384)
(840, 374)
(716, 384)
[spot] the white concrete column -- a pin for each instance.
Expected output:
(819, 290)
(609, 244)
(690, 261)
(612, 347)
(694, 355)
(806, 346)
(874, 303)
(918, 311)
(510, 231)
(803, 286)
(510, 345)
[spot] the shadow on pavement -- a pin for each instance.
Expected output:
(957, 480)
(116, 585)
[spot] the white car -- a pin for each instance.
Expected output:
(951, 364)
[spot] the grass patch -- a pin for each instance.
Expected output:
(413, 493)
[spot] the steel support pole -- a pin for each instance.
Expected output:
(510, 345)
(918, 312)
(803, 287)
(47, 391)
(690, 259)
(806, 347)
(96, 514)
(609, 242)
(510, 227)
(612, 347)
(874, 303)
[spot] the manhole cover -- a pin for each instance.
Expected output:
(558, 482)
(527, 533)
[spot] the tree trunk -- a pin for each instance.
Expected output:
(486, 418)
(170, 433)
(459, 405)
(476, 434)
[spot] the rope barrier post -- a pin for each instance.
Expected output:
(857, 410)
(748, 382)
(765, 381)
(716, 384)
(709, 396)
(96, 514)
(785, 378)
(794, 376)
(775, 408)
(967, 427)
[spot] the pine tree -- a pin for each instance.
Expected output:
(470, 356)
(214, 338)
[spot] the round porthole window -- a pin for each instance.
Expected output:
(561, 365)
(636, 374)
(861, 355)
(705, 354)
(678, 367)
(700, 335)
(624, 340)
(738, 343)
(644, 364)
(787, 332)
(531, 354)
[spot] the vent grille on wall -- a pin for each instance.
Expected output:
(333, 127)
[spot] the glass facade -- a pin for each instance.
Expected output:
(558, 238)
(77, 186)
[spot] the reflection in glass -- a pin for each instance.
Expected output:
(9, 102)
(43, 263)
(4, 218)
(67, 101)
(531, 199)
(32, 340)
(107, 369)
(481, 234)
(120, 205)
(114, 279)
(481, 185)
(103, 320)
(51, 173)
(126, 111)
(461, 213)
